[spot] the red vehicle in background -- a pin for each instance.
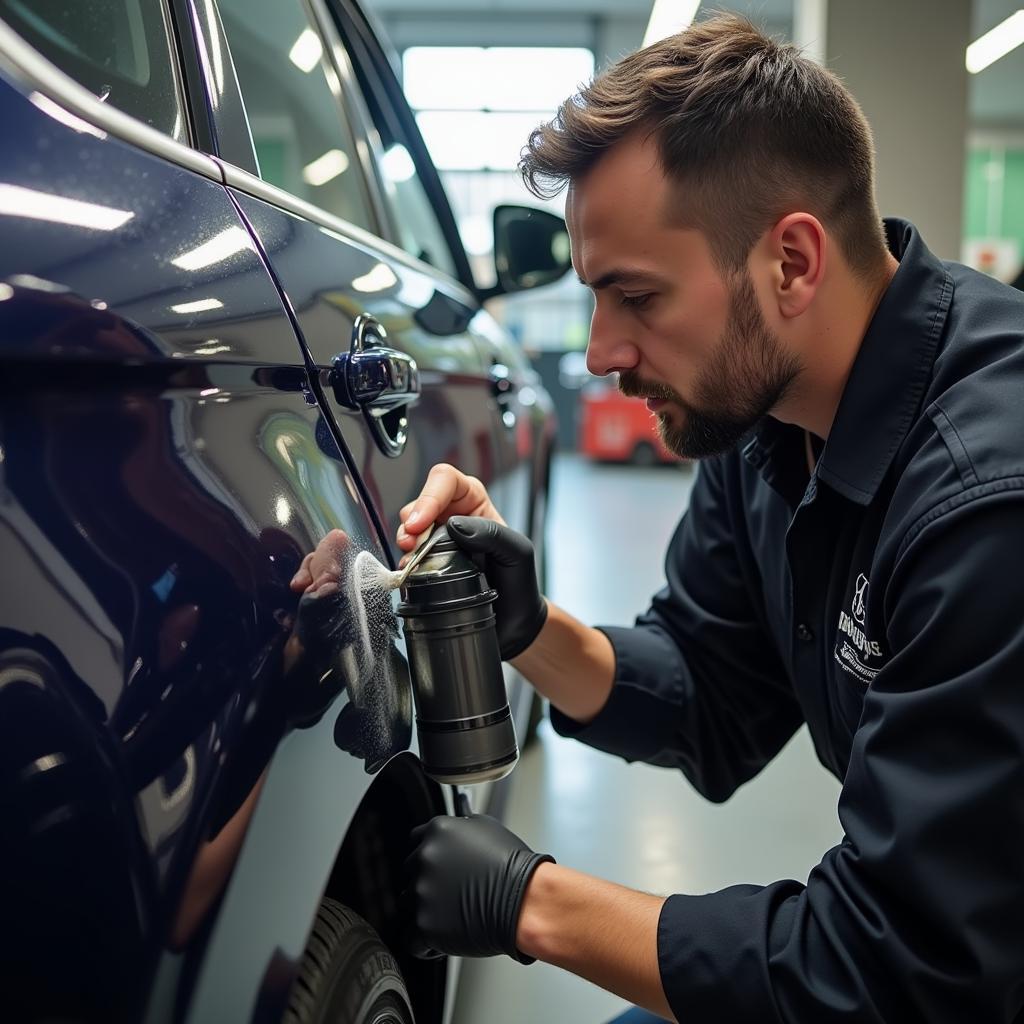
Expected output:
(614, 428)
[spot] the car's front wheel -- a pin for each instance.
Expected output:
(347, 975)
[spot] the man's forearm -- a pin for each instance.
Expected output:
(571, 664)
(598, 930)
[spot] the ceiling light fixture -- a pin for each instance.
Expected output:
(325, 167)
(996, 43)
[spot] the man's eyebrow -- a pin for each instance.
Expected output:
(621, 275)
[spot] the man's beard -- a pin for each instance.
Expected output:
(746, 376)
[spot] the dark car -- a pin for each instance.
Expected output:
(237, 327)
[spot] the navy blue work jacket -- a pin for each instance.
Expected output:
(879, 598)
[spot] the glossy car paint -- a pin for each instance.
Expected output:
(194, 754)
(165, 470)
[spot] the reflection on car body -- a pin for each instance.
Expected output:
(205, 750)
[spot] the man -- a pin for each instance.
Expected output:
(853, 557)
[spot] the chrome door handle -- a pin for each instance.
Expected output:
(378, 381)
(371, 375)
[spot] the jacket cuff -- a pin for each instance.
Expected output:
(639, 718)
(713, 953)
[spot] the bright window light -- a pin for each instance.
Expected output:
(325, 168)
(996, 43)
(476, 106)
(16, 201)
(217, 249)
(445, 77)
(669, 17)
(553, 74)
(306, 51)
(505, 137)
(494, 78)
(199, 306)
(474, 140)
(454, 138)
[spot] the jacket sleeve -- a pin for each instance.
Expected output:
(917, 915)
(699, 684)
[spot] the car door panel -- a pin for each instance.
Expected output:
(330, 279)
(164, 469)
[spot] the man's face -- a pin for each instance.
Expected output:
(691, 340)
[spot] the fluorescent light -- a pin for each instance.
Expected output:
(212, 347)
(6, 291)
(218, 248)
(306, 51)
(26, 202)
(669, 17)
(200, 306)
(996, 43)
(39, 284)
(397, 165)
(325, 167)
(379, 279)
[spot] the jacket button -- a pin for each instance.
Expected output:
(803, 633)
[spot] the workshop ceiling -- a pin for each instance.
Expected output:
(615, 26)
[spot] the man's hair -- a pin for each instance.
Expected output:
(746, 127)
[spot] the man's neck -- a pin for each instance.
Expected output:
(830, 351)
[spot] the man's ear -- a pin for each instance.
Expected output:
(797, 247)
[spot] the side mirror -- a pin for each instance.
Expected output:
(531, 248)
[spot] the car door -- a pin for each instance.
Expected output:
(336, 276)
(164, 469)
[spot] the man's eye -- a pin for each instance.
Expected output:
(637, 301)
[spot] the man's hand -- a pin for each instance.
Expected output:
(447, 492)
(464, 886)
(507, 560)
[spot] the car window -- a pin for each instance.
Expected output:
(419, 232)
(120, 50)
(293, 100)
(415, 223)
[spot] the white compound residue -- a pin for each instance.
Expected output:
(371, 600)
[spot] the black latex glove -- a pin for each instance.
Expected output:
(506, 558)
(464, 886)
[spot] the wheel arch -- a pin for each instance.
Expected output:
(367, 873)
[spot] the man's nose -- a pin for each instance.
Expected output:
(609, 348)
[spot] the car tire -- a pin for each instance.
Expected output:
(644, 454)
(347, 975)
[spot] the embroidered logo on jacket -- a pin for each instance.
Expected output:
(854, 649)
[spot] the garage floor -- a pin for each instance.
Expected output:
(634, 824)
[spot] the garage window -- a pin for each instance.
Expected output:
(476, 105)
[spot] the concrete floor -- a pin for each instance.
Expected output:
(635, 824)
